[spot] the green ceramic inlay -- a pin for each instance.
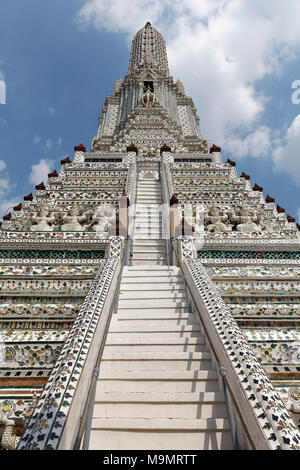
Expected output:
(53, 254)
(248, 254)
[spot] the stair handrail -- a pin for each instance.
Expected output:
(221, 367)
(86, 419)
(132, 224)
(166, 212)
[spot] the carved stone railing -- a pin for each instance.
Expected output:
(267, 420)
(166, 174)
(131, 182)
(56, 418)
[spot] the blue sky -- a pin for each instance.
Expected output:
(237, 60)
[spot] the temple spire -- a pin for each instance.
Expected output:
(148, 50)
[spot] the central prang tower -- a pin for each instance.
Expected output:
(148, 108)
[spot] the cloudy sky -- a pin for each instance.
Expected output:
(238, 59)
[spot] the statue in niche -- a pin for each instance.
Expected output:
(266, 222)
(216, 220)
(103, 217)
(148, 97)
(73, 221)
(246, 219)
(42, 222)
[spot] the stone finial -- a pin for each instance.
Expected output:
(54, 174)
(40, 187)
(232, 163)
(65, 160)
(257, 188)
(132, 148)
(7, 217)
(173, 200)
(165, 148)
(79, 148)
(215, 148)
(269, 199)
(280, 210)
(245, 176)
(29, 197)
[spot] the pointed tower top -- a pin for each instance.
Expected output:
(148, 50)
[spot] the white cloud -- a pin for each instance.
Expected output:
(2, 165)
(286, 155)
(36, 140)
(60, 141)
(51, 111)
(5, 184)
(39, 172)
(2, 91)
(220, 49)
(258, 143)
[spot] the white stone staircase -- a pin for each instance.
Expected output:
(149, 247)
(157, 389)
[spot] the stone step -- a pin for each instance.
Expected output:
(138, 316)
(156, 360)
(148, 225)
(161, 285)
(158, 381)
(160, 434)
(144, 236)
(149, 190)
(157, 344)
(177, 310)
(157, 405)
(148, 231)
(148, 256)
(149, 249)
(132, 279)
(158, 294)
(147, 202)
(153, 303)
(149, 242)
(154, 262)
(147, 215)
(168, 269)
(149, 209)
(143, 324)
(170, 332)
